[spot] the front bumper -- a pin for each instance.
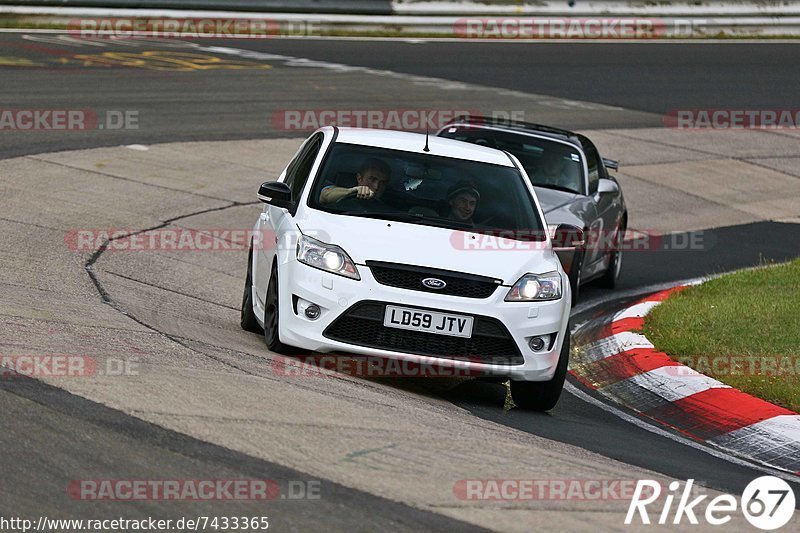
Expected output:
(338, 296)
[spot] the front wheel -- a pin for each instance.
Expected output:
(543, 395)
(611, 277)
(272, 319)
(248, 319)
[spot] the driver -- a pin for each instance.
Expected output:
(372, 177)
(551, 170)
(463, 198)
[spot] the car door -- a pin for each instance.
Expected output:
(595, 224)
(604, 226)
(273, 220)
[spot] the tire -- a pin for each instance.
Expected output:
(611, 277)
(575, 276)
(272, 319)
(543, 395)
(248, 319)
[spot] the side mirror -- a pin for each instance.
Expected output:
(275, 193)
(568, 236)
(607, 186)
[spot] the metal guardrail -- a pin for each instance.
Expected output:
(600, 8)
(363, 7)
(562, 8)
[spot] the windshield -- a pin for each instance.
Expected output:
(548, 163)
(429, 190)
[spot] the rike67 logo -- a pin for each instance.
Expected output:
(767, 503)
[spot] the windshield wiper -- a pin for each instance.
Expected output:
(388, 215)
(412, 218)
(556, 187)
(449, 223)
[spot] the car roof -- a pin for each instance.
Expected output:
(415, 142)
(515, 126)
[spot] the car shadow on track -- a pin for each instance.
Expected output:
(468, 393)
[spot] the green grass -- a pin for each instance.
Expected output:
(754, 314)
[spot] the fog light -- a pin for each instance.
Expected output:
(537, 344)
(312, 312)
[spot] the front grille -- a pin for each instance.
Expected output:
(362, 325)
(410, 277)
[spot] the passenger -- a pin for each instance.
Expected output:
(463, 198)
(372, 177)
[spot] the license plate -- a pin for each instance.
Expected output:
(439, 323)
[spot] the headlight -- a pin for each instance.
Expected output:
(536, 288)
(325, 257)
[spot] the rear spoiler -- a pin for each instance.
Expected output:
(612, 164)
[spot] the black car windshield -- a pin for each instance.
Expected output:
(426, 189)
(548, 163)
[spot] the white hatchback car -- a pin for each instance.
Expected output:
(396, 245)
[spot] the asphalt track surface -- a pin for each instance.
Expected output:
(649, 78)
(235, 104)
(69, 433)
(654, 77)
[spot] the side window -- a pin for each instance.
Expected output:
(592, 162)
(298, 172)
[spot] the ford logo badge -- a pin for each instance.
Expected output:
(434, 283)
